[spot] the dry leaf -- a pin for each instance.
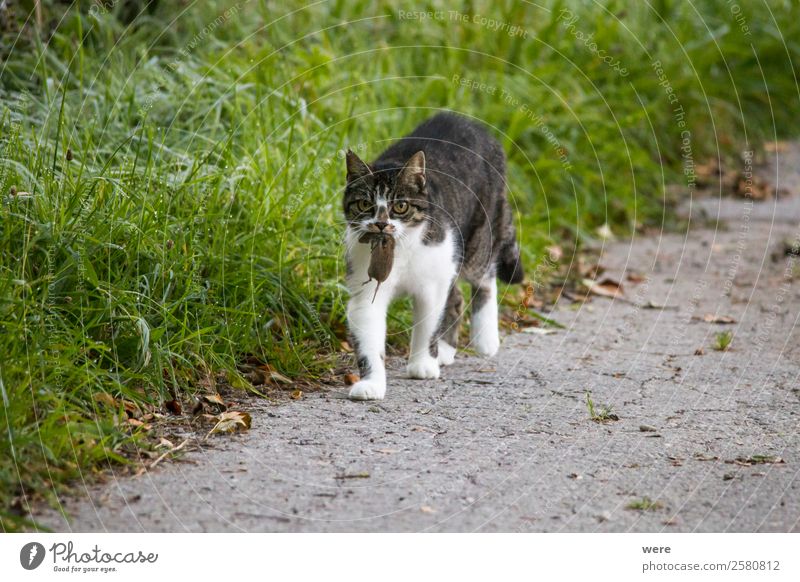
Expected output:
(215, 400)
(231, 421)
(297, 395)
(346, 347)
(132, 409)
(635, 278)
(605, 288)
(711, 318)
(174, 406)
(538, 330)
(105, 398)
(776, 146)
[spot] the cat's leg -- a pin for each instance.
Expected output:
(429, 305)
(450, 325)
(484, 332)
(367, 323)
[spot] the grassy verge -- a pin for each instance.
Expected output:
(170, 188)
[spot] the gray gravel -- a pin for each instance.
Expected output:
(507, 444)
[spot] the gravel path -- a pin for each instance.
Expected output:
(507, 444)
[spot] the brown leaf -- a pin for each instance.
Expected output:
(105, 398)
(711, 318)
(132, 409)
(635, 277)
(174, 406)
(605, 288)
(346, 347)
(215, 400)
(297, 395)
(231, 421)
(758, 460)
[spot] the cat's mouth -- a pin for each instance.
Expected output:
(372, 232)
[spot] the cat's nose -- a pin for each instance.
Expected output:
(381, 225)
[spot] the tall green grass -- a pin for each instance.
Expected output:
(182, 174)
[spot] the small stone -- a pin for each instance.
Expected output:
(647, 428)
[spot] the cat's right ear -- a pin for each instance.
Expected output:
(356, 168)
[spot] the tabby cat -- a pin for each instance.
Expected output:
(440, 194)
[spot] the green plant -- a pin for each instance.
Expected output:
(722, 340)
(599, 413)
(645, 504)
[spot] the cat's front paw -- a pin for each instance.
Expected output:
(423, 368)
(447, 353)
(486, 342)
(368, 390)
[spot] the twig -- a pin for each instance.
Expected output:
(169, 452)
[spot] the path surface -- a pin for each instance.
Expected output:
(513, 449)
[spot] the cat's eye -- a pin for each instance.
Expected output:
(400, 207)
(364, 205)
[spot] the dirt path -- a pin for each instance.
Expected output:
(514, 449)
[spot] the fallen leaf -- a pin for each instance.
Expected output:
(346, 347)
(297, 395)
(174, 406)
(215, 400)
(131, 409)
(711, 318)
(758, 460)
(361, 475)
(635, 277)
(231, 421)
(699, 352)
(105, 398)
(605, 288)
(776, 146)
(538, 330)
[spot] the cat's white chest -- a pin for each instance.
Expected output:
(416, 264)
(419, 264)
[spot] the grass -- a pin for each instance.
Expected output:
(645, 504)
(169, 195)
(722, 340)
(599, 413)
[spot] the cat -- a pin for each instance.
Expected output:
(440, 193)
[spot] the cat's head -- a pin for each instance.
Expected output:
(388, 199)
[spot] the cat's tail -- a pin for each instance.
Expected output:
(509, 264)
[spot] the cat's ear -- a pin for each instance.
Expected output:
(413, 173)
(356, 168)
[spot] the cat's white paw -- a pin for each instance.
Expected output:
(447, 353)
(368, 390)
(423, 368)
(486, 342)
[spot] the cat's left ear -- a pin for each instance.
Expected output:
(356, 168)
(413, 173)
